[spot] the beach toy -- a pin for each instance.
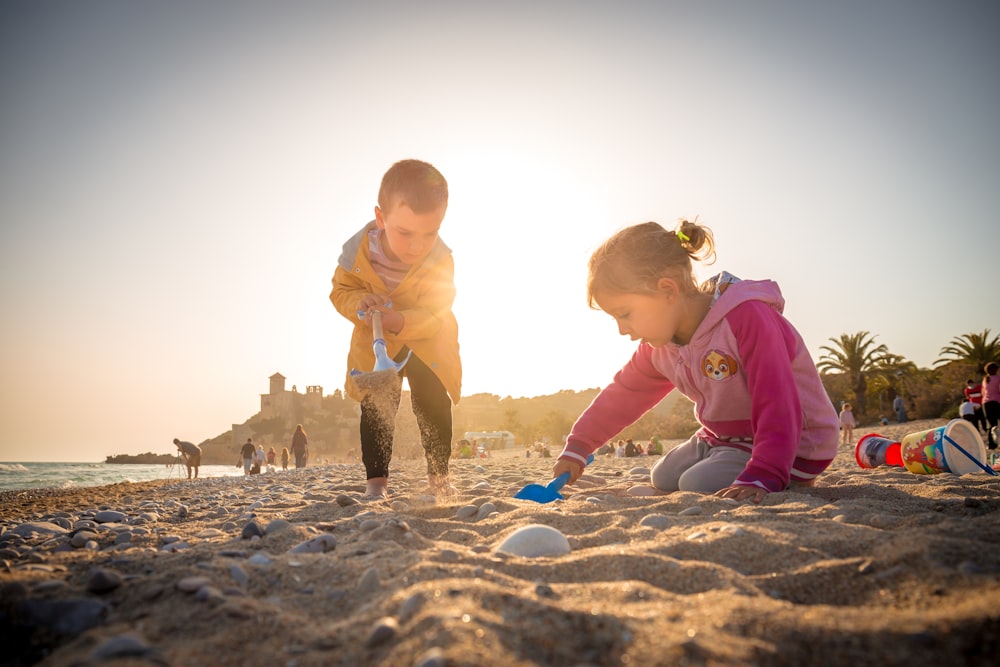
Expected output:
(549, 492)
(386, 371)
(955, 447)
(874, 450)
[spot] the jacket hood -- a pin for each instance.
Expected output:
(730, 292)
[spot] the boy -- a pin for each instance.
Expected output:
(398, 265)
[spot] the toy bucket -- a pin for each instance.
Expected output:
(874, 450)
(937, 450)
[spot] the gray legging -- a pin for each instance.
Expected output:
(695, 466)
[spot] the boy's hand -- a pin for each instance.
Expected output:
(565, 465)
(370, 301)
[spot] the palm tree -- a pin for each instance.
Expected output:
(974, 349)
(857, 356)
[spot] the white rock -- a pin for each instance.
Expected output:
(535, 540)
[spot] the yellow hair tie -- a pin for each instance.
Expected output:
(682, 236)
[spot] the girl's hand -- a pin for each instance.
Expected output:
(753, 493)
(565, 465)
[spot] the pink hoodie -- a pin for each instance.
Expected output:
(752, 381)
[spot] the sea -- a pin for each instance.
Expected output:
(16, 476)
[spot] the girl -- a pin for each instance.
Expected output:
(847, 424)
(766, 419)
(991, 402)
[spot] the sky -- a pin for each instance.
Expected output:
(177, 179)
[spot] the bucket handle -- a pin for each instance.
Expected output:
(972, 458)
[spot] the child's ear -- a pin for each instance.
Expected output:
(668, 287)
(379, 218)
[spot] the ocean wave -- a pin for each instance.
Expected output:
(12, 467)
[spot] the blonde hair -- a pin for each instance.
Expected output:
(634, 259)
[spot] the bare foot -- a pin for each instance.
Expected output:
(377, 488)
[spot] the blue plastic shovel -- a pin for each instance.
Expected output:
(549, 492)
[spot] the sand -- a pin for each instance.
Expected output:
(869, 567)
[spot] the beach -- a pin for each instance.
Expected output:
(868, 567)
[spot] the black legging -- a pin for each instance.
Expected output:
(991, 410)
(432, 408)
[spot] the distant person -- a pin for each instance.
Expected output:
(284, 458)
(991, 403)
(271, 457)
(400, 254)
(300, 446)
(967, 411)
(630, 449)
(883, 420)
(246, 455)
(847, 424)
(654, 447)
(766, 420)
(259, 459)
(900, 408)
(974, 394)
(191, 453)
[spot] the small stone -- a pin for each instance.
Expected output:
(110, 516)
(122, 646)
(535, 540)
(276, 526)
(691, 511)
(192, 584)
(658, 521)
(252, 530)
(369, 582)
(316, 545)
(101, 581)
(383, 630)
(467, 512)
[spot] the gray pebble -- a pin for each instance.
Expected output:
(383, 630)
(432, 657)
(276, 526)
(238, 574)
(123, 646)
(658, 521)
(316, 545)
(252, 529)
(467, 512)
(485, 510)
(369, 582)
(192, 584)
(110, 516)
(101, 580)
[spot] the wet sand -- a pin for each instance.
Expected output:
(869, 567)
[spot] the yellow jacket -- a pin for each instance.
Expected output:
(424, 297)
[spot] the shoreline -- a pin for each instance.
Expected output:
(867, 567)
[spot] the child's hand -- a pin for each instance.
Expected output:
(753, 493)
(565, 465)
(369, 302)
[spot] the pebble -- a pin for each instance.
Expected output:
(101, 580)
(316, 545)
(535, 540)
(383, 630)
